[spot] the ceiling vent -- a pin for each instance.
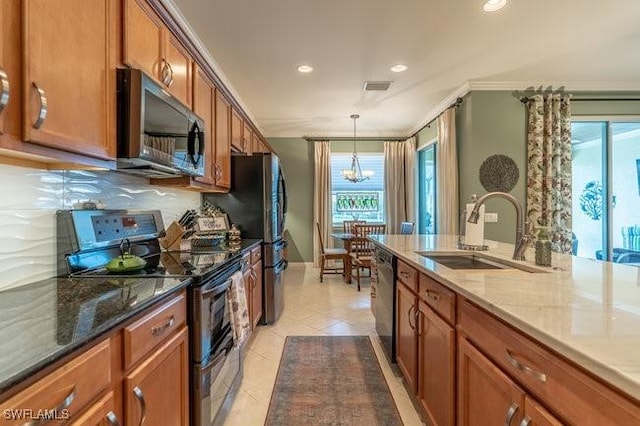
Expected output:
(376, 85)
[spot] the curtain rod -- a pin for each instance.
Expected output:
(526, 99)
(453, 105)
(358, 139)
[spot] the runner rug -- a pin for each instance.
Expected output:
(330, 380)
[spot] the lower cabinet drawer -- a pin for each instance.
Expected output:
(152, 329)
(65, 392)
(567, 390)
(441, 299)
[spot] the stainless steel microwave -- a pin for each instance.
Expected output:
(158, 136)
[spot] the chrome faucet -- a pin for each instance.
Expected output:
(522, 238)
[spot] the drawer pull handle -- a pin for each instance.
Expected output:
(526, 421)
(433, 295)
(44, 106)
(66, 402)
(525, 368)
(159, 329)
(4, 89)
(404, 274)
(137, 392)
(510, 413)
(112, 419)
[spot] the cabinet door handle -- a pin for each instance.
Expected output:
(44, 106)
(159, 329)
(4, 89)
(63, 405)
(413, 327)
(404, 274)
(433, 295)
(255, 279)
(164, 72)
(510, 413)
(525, 421)
(137, 392)
(525, 368)
(170, 82)
(418, 322)
(112, 419)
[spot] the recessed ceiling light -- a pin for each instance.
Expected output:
(398, 68)
(493, 5)
(305, 69)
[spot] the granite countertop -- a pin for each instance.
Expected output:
(586, 310)
(46, 320)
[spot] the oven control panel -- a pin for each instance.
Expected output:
(117, 227)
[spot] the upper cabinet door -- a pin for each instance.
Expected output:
(10, 124)
(177, 63)
(247, 139)
(236, 131)
(223, 142)
(203, 107)
(143, 38)
(69, 75)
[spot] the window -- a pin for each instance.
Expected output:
(357, 201)
(606, 190)
(427, 190)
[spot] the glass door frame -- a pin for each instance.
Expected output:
(607, 172)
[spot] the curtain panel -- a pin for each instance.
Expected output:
(447, 213)
(399, 183)
(549, 167)
(321, 197)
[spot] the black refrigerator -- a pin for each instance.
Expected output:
(257, 203)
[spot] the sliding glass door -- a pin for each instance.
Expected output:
(427, 190)
(606, 190)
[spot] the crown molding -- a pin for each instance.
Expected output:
(442, 105)
(587, 86)
(184, 25)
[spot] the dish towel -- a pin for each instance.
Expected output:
(239, 312)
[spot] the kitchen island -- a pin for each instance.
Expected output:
(584, 311)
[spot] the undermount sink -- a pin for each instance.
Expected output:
(473, 261)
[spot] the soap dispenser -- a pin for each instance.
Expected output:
(543, 247)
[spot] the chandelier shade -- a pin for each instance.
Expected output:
(355, 173)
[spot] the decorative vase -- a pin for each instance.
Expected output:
(543, 248)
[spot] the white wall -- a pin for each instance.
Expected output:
(29, 199)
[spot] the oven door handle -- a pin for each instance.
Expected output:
(215, 361)
(216, 290)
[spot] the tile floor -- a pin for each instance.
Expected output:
(311, 309)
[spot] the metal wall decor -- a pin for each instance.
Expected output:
(499, 173)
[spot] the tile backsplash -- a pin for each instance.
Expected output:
(29, 199)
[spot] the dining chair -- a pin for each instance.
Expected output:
(348, 225)
(362, 248)
(331, 254)
(406, 228)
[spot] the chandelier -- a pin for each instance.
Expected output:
(355, 174)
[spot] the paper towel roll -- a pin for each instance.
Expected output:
(474, 232)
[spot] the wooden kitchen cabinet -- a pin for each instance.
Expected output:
(486, 396)
(237, 137)
(157, 392)
(150, 46)
(101, 413)
(406, 335)
(203, 106)
(68, 84)
(536, 415)
(222, 159)
(70, 387)
(561, 387)
(247, 139)
(436, 366)
(10, 98)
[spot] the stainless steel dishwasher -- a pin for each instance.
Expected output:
(384, 302)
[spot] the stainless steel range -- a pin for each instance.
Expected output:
(88, 243)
